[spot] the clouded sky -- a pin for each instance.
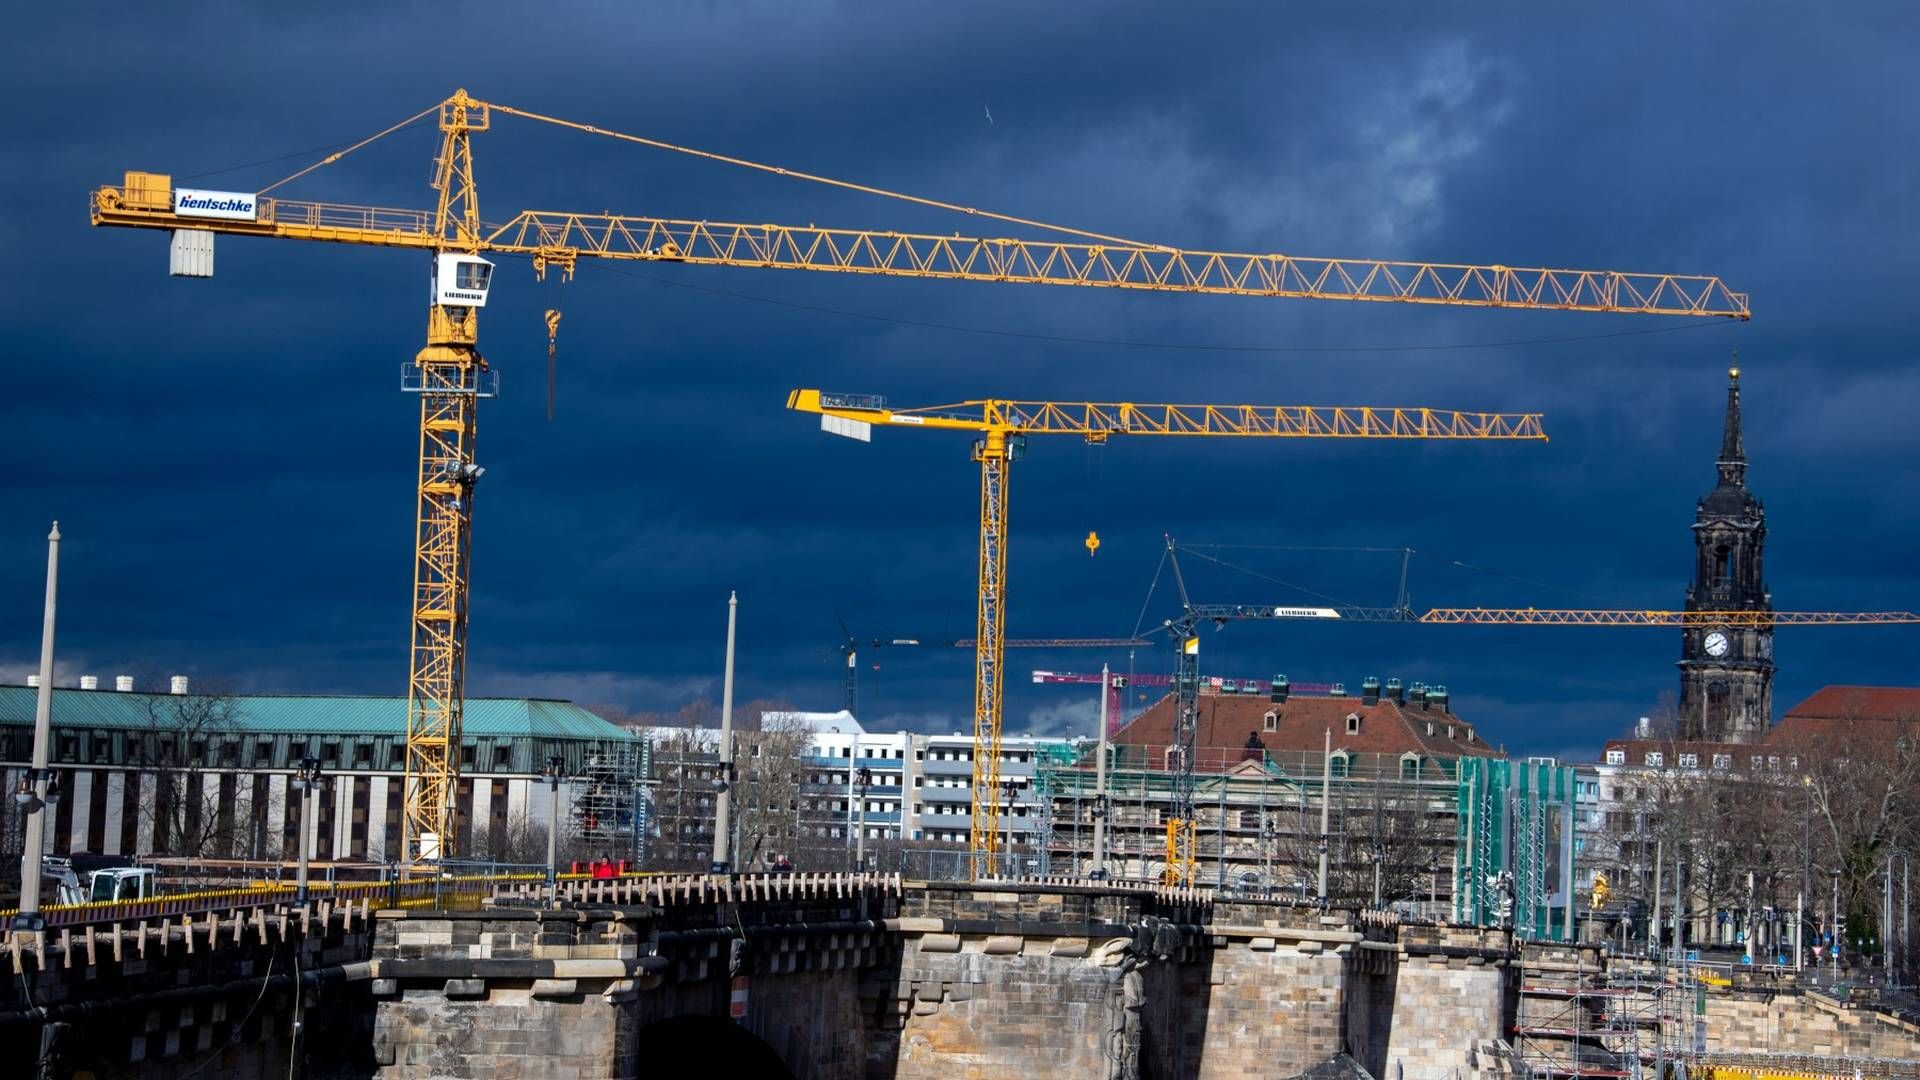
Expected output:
(232, 461)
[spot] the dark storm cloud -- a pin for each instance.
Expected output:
(233, 468)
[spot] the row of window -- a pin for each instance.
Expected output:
(1691, 760)
(938, 753)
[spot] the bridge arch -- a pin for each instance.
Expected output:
(722, 1047)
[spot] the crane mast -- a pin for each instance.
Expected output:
(450, 376)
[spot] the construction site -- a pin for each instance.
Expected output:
(1645, 904)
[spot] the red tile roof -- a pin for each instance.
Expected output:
(1224, 723)
(1861, 702)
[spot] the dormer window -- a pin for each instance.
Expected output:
(1616, 757)
(1429, 729)
(1449, 731)
(1337, 765)
(1656, 758)
(1723, 762)
(1271, 721)
(1689, 761)
(1353, 723)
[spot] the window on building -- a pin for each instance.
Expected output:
(1353, 723)
(1689, 761)
(1656, 758)
(1773, 762)
(1271, 721)
(1409, 768)
(1723, 762)
(1338, 766)
(102, 748)
(69, 747)
(1616, 757)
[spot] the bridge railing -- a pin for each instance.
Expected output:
(662, 890)
(1178, 895)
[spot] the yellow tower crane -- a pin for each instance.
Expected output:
(1002, 428)
(450, 375)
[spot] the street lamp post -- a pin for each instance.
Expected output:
(35, 788)
(1269, 832)
(552, 773)
(1836, 924)
(1099, 869)
(307, 782)
(723, 783)
(1007, 788)
(1326, 800)
(1806, 850)
(861, 781)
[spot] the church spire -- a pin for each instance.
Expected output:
(1733, 449)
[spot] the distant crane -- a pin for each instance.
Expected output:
(1180, 858)
(1002, 428)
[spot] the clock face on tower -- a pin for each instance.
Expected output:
(1716, 644)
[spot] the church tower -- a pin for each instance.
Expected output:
(1726, 672)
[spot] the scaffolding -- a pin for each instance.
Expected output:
(1257, 827)
(1579, 1019)
(611, 805)
(1514, 846)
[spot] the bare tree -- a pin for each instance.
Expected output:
(1862, 774)
(522, 841)
(187, 751)
(781, 803)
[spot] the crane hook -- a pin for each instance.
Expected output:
(553, 329)
(1093, 543)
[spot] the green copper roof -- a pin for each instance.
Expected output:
(485, 718)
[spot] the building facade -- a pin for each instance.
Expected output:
(209, 776)
(916, 793)
(1390, 786)
(1726, 672)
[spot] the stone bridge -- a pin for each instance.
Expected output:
(830, 976)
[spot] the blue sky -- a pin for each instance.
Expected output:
(231, 460)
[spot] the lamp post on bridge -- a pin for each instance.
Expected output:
(861, 781)
(306, 781)
(1007, 788)
(36, 788)
(552, 773)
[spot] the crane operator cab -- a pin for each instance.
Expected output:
(461, 280)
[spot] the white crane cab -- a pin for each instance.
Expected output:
(461, 280)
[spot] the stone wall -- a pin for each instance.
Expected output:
(1275, 1003)
(992, 982)
(173, 997)
(1747, 1022)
